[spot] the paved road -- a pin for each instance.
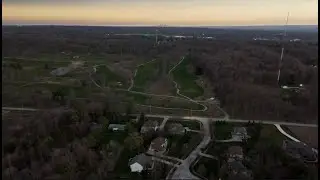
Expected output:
(199, 118)
(165, 119)
(208, 156)
(164, 161)
(164, 157)
(183, 171)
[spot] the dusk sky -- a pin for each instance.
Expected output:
(155, 12)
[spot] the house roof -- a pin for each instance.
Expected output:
(118, 126)
(157, 144)
(235, 150)
(151, 123)
(142, 159)
(241, 130)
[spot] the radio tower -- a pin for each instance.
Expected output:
(282, 49)
(157, 30)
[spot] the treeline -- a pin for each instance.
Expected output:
(245, 79)
(71, 143)
(35, 42)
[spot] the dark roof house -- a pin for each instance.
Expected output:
(175, 128)
(159, 145)
(235, 152)
(239, 133)
(149, 126)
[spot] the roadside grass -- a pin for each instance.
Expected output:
(180, 146)
(270, 133)
(186, 80)
(194, 125)
(222, 130)
(145, 74)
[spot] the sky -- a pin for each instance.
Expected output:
(156, 12)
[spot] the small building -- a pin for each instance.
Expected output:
(149, 126)
(239, 133)
(139, 163)
(235, 152)
(158, 145)
(117, 127)
(175, 128)
(300, 151)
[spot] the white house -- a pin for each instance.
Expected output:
(139, 163)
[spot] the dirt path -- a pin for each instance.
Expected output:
(178, 90)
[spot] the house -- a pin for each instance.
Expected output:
(139, 163)
(158, 145)
(117, 127)
(61, 71)
(299, 150)
(235, 152)
(175, 128)
(149, 126)
(239, 133)
(237, 171)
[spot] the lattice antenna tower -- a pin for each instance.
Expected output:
(282, 49)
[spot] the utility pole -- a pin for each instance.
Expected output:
(282, 49)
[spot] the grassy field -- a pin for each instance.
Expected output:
(145, 74)
(30, 76)
(186, 80)
(104, 76)
(308, 135)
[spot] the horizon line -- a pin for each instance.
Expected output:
(161, 25)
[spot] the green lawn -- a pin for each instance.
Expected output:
(186, 80)
(194, 125)
(145, 74)
(222, 130)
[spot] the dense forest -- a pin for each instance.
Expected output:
(244, 75)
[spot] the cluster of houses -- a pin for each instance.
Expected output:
(157, 147)
(234, 165)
